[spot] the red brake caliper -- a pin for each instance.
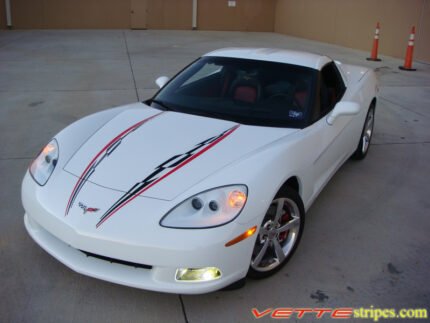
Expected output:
(284, 219)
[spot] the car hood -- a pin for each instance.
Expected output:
(146, 152)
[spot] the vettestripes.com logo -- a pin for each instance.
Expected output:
(370, 313)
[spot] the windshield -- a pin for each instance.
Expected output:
(242, 90)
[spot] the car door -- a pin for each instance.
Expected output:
(331, 143)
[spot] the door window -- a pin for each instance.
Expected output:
(332, 89)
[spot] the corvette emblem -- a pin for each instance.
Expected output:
(87, 209)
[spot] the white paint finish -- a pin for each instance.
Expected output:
(262, 158)
(343, 109)
(306, 59)
(159, 278)
(161, 81)
(160, 139)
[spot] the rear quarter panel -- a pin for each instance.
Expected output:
(362, 87)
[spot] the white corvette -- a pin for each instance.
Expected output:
(207, 182)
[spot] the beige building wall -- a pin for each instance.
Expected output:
(99, 14)
(51, 14)
(247, 15)
(169, 14)
(2, 16)
(422, 51)
(351, 23)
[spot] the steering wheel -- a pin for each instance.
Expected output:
(280, 95)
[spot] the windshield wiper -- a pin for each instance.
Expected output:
(203, 113)
(163, 105)
(216, 115)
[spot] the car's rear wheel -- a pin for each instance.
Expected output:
(366, 135)
(279, 234)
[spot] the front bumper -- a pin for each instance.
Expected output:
(175, 249)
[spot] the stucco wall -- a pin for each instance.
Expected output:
(247, 15)
(2, 16)
(351, 23)
(103, 14)
(170, 14)
(53, 14)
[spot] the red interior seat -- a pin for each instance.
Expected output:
(245, 93)
(301, 98)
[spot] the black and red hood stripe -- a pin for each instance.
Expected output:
(160, 173)
(99, 157)
(164, 170)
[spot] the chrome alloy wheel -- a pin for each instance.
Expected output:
(277, 236)
(368, 131)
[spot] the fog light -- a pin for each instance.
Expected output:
(198, 274)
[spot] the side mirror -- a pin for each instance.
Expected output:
(162, 81)
(343, 109)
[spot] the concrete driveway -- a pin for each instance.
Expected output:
(367, 238)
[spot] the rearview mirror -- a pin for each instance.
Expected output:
(343, 109)
(162, 81)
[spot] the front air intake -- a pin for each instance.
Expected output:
(116, 261)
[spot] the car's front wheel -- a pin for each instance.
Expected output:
(279, 234)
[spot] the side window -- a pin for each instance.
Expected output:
(332, 88)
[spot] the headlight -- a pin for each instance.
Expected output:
(208, 209)
(44, 164)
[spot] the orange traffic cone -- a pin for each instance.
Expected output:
(407, 66)
(374, 53)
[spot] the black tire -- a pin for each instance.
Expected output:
(293, 214)
(363, 146)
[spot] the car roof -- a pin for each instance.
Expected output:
(286, 56)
